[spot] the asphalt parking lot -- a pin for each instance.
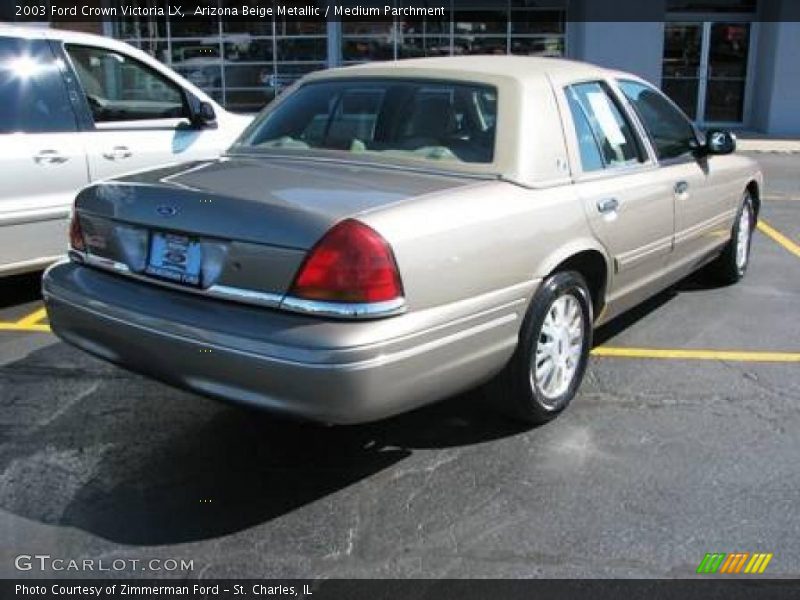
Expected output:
(672, 450)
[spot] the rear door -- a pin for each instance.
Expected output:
(140, 117)
(41, 157)
(627, 203)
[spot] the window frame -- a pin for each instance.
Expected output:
(156, 123)
(698, 136)
(641, 139)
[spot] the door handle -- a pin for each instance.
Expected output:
(117, 153)
(607, 205)
(49, 157)
(682, 188)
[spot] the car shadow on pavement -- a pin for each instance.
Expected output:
(696, 282)
(20, 289)
(138, 463)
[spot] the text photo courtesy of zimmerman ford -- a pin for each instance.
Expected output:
(356, 305)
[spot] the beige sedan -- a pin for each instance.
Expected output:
(387, 235)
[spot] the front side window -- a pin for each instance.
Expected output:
(605, 138)
(401, 118)
(32, 92)
(119, 88)
(670, 130)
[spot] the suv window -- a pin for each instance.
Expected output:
(120, 88)
(605, 137)
(33, 96)
(672, 133)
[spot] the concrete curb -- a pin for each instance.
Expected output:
(768, 146)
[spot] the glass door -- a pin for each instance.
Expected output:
(705, 69)
(726, 72)
(681, 69)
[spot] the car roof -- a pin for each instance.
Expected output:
(478, 66)
(65, 35)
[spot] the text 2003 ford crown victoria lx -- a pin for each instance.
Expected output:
(386, 235)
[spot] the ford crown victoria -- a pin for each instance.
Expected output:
(387, 235)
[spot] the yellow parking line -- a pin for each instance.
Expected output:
(18, 327)
(33, 318)
(679, 354)
(779, 238)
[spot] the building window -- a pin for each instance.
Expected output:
(715, 6)
(526, 27)
(244, 65)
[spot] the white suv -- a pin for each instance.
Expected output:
(75, 108)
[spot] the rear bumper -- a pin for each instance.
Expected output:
(330, 371)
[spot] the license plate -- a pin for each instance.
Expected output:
(174, 257)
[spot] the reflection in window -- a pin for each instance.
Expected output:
(32, 91)
(670, 131)
(610, 129)
(417, 47)
(119, 88)
(743, 6)
(367, 40)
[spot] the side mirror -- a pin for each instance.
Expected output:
(201, 114)
(719, 141)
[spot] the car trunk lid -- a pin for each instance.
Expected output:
(244, 223)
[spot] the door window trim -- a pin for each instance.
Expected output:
(75, 93)
(164, 123)
(649, 161)
(686, 157)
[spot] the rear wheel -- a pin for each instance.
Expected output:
(732, 264)
(546, 370)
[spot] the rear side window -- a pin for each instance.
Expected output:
(605, 137)
(33, 97)
(120, 88)
(672, 133)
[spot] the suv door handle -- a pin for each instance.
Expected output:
(118, 152)
(682, 188)
(49, 157)
(607, 205)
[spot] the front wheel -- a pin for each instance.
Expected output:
(548, 365)
(732, 264)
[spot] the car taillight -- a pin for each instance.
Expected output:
(75, 233)
(352, 263)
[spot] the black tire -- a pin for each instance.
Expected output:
(727, 268)
(516, 390)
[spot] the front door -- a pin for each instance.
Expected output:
(702, 192)
(705, 70)
(141, 118)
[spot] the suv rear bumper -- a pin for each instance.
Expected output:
(318, 369)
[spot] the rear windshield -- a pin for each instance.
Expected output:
(403, 118)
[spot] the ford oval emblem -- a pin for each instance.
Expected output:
(166, 211)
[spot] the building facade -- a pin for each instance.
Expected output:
(731, 63)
